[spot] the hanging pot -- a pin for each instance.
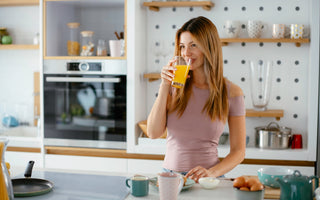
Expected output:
(273, 136)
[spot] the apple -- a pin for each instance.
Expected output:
(6, 39)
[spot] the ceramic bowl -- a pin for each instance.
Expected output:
(267, 175)
(249, 195)
(209, 182)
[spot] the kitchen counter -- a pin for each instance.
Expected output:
(81, 185)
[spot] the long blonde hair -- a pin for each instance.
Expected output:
(207, 37)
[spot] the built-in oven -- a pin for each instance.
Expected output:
(84, 103)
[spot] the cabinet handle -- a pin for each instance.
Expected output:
(82, 79)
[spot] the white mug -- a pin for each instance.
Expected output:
(278, 30)
(255, 28)
(297, 31)
(170, 185)
(231, 28)
(115, 48)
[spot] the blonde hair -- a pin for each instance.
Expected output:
(208, 40)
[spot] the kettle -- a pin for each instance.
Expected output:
(297, 187)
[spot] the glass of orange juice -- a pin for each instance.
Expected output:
(180, 75)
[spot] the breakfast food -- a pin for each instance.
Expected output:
(247, 184)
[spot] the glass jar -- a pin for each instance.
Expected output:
(6, 190)
(3, 32)
(102, 48)
(87, 45)
(73, 44)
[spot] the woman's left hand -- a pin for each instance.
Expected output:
(197, 173)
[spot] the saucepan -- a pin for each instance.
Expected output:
(26, 187)
(273, 136)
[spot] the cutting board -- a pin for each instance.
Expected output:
(271, 193)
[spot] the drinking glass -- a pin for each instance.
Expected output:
(180, 75)
(260, 83)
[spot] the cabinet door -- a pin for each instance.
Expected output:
(144, 166)
(86, 163)
(19, 160)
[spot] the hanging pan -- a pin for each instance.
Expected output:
(26, 187)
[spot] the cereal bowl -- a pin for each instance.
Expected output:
(268, 175)
(209, 182)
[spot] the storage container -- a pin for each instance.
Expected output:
(73, 44)
(87, 45)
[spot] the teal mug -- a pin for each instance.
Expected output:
(139, 185)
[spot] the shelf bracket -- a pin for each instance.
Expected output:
(154, 8)
(298, 44)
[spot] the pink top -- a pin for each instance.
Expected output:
(192, 140)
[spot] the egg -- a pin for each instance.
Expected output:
(251, 181)
(239, 182)
(256, 187)
(244, 189)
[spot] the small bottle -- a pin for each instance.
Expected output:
(102, 48)
(87, 45)
(73, 44)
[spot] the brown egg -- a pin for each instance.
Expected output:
(244, 189)
(256, 187)
(239, 182)
(251, 181)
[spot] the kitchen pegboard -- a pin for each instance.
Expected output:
(290, 63)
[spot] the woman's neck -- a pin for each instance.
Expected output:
(199, 79)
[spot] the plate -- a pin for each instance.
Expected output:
(188, 184)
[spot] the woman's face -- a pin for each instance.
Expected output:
(190, 50)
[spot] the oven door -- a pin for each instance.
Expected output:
(85, 110)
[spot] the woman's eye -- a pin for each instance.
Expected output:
(181, 46)
(193, 45)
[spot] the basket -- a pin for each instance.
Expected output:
(143, 127)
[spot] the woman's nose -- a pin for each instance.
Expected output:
(187, 51)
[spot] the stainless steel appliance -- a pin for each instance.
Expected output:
(85, 103)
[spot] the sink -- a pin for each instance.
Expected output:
(21, 131)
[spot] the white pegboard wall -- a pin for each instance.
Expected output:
(291, 64)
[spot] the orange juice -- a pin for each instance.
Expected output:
(180, 75)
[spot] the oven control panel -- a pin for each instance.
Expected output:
(84, 66)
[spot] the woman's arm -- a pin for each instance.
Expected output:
(237, 134)
(157, 119)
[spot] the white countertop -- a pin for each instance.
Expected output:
(224, 191)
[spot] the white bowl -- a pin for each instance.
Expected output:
(209, 182)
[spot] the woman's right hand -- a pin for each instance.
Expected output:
(167, 72)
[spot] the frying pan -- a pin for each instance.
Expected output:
(26, 187)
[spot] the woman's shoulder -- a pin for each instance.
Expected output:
(233, 89)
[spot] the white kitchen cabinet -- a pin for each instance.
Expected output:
(21, 159)
(140, 166)
(86, 163)
(103, 17)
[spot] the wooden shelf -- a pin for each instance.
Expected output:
(83, 58)
(267, 113)
(155, 5)
(152, 76)
(19, 2)
(226, 41)
(18, 46)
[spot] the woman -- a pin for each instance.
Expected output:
(195, 115)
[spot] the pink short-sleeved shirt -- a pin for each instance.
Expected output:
(192, 139)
